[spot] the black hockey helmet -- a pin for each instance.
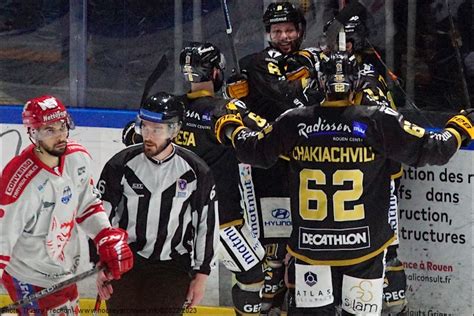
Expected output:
(161, 107)
(281, 12)
(339, 73)
(198, 61)
(356, 32)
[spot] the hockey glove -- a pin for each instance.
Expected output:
(250, 119)
(302, 64)
(236, 87)
(114, 251)
(235, 114)
(395, 286)
(129, 137)
(463, 123)
(225, 126)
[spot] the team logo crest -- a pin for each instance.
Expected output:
(59, 235)
(181, 186)
(67, 194)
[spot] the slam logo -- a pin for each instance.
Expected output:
(280, 213)
(67, 194)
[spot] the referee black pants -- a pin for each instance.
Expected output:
(151, 288)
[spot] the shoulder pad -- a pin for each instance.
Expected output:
(73, 147)
(16, 176)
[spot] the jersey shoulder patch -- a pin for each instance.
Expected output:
(17, 175)
(73, 147)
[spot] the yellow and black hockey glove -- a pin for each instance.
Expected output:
(463, 124)
(302, 65)
(236, 87)
(225, 127)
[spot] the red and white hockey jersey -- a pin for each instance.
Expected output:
(40, 209)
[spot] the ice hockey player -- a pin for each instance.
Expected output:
(340, 186)
(203, 65)
(372, 89)
(273, 81)
(45, 194)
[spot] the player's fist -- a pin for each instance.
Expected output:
(236, 87)
(464, 124)
(114, 251)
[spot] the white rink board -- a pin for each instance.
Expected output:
(102, 144)
(437, 203)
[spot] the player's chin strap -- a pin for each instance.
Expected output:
(11, 308)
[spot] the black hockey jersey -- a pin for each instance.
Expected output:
(270, 93)
(340, 174)
(197, 135)
(168, 208)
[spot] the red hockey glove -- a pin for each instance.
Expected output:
(114, 251)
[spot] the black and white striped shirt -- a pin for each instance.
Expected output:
(168, 208)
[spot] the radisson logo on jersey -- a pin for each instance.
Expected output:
(322, 127)
(334, 239)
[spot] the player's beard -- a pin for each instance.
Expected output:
(56, 150)
(151, 149)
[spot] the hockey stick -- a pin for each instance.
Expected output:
(155, 75)
(454, 40)
(228, 30)
(18, 144)
(47, 291)
(396, 81)
(96, 310)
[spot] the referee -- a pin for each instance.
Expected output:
(163, 195)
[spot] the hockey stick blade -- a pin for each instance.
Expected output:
(155, 75)
(50, 290)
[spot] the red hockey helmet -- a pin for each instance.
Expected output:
(45, 110)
